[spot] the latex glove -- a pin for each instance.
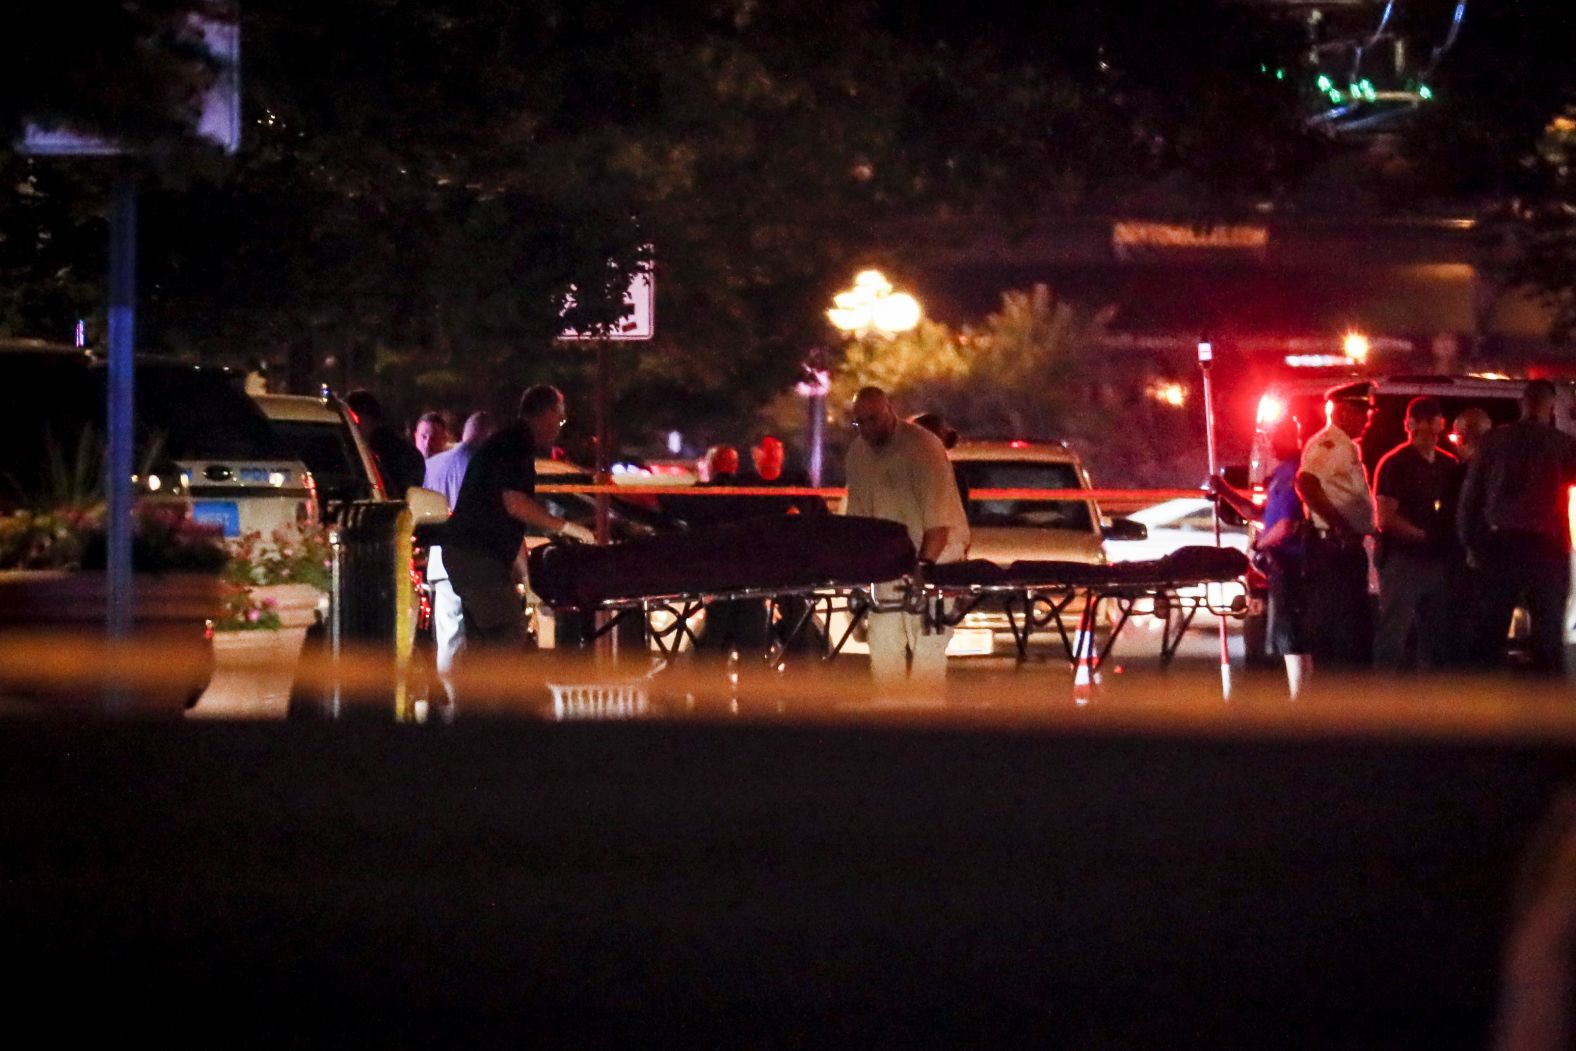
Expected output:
(576, 531)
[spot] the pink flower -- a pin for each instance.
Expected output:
(254, 615)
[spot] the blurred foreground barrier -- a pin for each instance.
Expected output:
(574, 684)
(1138, 496)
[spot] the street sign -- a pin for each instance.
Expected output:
(219, 121)
(640, 312)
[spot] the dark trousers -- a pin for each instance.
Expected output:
(1479, 640)
(1531, 570)
(1415, 619)
(1338, 621)
(494, 614)
(1287, 606)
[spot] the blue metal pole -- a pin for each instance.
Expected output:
(121, 394)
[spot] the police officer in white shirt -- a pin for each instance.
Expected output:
(1334, 487)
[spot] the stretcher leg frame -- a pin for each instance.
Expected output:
(1020, 635)
(1083, 652)
(779, 647)
(1171, 639)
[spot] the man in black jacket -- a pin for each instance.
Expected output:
(497, 504)
(400, 465)
(1514, 521)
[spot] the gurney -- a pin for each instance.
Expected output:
(813, 559)
(1041, 595)
(865, 565)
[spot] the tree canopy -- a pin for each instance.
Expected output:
(421, 184)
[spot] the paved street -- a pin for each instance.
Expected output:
(506, 881)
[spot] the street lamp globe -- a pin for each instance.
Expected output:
(898, 312)
(872, 306)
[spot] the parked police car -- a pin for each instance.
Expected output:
(196, 432)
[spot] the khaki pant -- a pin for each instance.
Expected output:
(901, 652)
(448, 624)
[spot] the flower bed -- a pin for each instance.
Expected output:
(164, 540)
(273, 590)
(296, 557)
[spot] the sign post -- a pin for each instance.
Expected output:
(119, 416)
(1206, 359)
(639, 322)
(217, 120)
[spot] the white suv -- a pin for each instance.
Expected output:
(1020, 529)
(193, 422)
(319, 430)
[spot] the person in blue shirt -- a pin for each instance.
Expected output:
(1279, 551)
(446, 470)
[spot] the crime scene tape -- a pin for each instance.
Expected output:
(1124, 496)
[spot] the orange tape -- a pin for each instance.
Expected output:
(1125, 496)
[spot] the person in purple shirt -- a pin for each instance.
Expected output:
(445, 473)
(446, 469)
(1414, 490)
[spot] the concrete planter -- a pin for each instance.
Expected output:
(254, 670)
(46, 612)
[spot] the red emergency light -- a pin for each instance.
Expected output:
(1271, 410)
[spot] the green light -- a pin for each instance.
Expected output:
(1424, 93)
(1263, 68)
(1354, 90)
(1280, 74)
(1324, 83)
(1335, 96)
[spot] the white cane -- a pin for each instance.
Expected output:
(1206, 358)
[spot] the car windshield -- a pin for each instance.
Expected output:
(330, 454)
(1019, 474)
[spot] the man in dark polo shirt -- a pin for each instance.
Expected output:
(1515, 523)
(496, 505)
(1414, 489)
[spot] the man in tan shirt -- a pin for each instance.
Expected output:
(899, 471)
